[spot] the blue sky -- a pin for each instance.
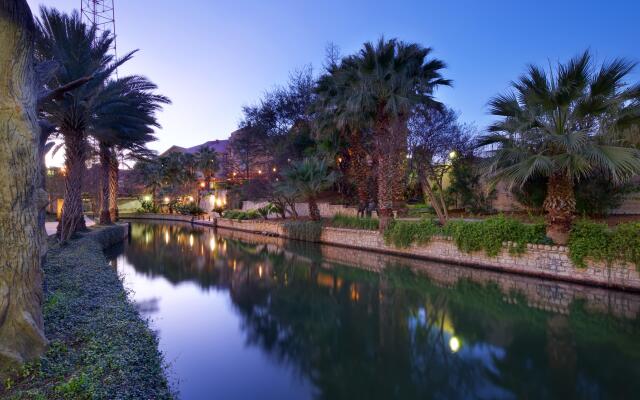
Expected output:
(213, 57)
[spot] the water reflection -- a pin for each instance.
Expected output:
(313, 326)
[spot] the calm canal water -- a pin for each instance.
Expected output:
(241, 316)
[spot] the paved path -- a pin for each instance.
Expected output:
(51, 227)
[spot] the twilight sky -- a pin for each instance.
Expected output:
(213, 57)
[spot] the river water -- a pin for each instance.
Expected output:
(242, 316)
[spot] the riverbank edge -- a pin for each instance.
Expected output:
(549, 262)
(99, 345)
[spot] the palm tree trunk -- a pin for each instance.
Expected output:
(386, 151)
(314, 212)
(560, 205)
(399, 142)
(360, 171)
(386, 174)
(114, 172)
(105, 167)
(22, 244)
(72, 215)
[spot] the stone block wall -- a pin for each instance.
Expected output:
(264, 227)
(539, 260)
(326, 210)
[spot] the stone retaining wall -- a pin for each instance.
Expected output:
(327, 210)
(539, 260)
(165, 217)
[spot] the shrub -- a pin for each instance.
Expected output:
(188, 209)
(347, 221)
(489, 234)
(404, 233)
(147, 207)
(241, 215)
(596, 241)
(303, 230)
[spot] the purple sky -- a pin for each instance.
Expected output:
(212, 57)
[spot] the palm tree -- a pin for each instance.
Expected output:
(334, 121)
(562, 126)
(207, 162)
(308, 178)
(80, 52)
(387, 80)
(124, 119)
(22, 246)
(152, 175)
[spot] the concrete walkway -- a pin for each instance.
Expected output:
(51, 227)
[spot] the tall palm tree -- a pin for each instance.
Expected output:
(207, 162)
(124, 119)
(333, 118)
(308, 178)
(388, 79)
(80, 52)
(562, 125)
(151, 174)
(22, 246)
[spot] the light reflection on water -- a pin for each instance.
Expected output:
(245, 317)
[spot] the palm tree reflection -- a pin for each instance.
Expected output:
(388, 334)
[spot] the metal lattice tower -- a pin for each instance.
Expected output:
(100, 13)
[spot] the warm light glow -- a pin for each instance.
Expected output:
(453, 155)
(212, 243)
(202, 184)
(274, 169)
(147, 198)
(234, 265)
(166, 200)
(191, 240)
(339, 159)
(190, 199)
(234, 174)
(454, 344)
(260, 271)
(166, 237)
(260, 172)
(355, 293)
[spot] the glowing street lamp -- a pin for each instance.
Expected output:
(274, 169)
(453, 155)
(454, 344)
(166, 200)
(259, 172)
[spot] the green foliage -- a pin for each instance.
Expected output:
(347, 221)
(465, 186)
(598, 195)
(147, 207)
(303, 230)
(241, 215)
(595, 195)
(404, 233)
(188, 209)
(596, 241)
(269, 208)
(469, 236)
(491, 233)
(100, 347)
